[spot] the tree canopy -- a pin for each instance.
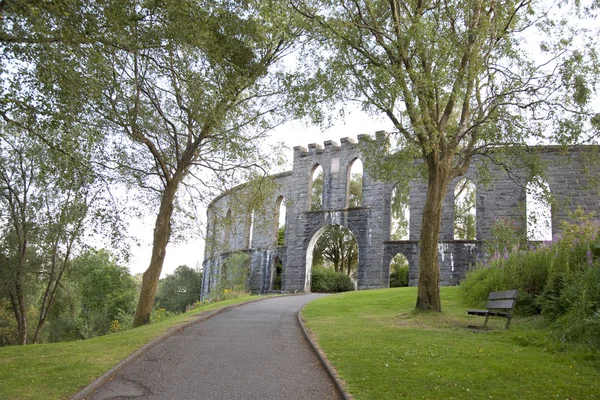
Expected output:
(177, 90)
(456, 82)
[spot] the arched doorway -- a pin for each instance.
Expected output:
(332, 254)
(276, 272)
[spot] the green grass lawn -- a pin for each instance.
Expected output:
(382, 349)
(59, 370)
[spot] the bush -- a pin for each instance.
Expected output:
(234, 278)
(179, 289)
(326, 280)
(559, 280)
(399, 276)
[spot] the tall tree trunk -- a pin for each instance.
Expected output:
(17, 301)
(428, 296)
(162, 233)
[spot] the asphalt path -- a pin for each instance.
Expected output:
(255, 351)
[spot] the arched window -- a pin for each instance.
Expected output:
(279, 219)
(399, 271)
(250, 225)
(538, 210)
(212, 233)
(354, 193)
(228, 224)
(400, 214)
(465, 210)
(315, 200)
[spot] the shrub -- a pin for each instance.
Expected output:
(234, 278)
(326, 280)
(559, 280)
(179, 289)
(399, 276)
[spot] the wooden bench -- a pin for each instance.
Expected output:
(499, 304)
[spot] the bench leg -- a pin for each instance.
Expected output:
(486, 320)
(508, 321)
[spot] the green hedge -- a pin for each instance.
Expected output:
(325, 280)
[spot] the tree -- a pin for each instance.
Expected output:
(355, 193)
(180, 289)
(179, 89)
(193, 93)
(338, 246)
(95, 292)
(46, 199)
(452, 78)
(464, 210)
(102, 284)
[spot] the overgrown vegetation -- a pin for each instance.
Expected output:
(559, 280)
(399, 272)
(179, 290)
(97, 296)
(234, 277)
(326, 280)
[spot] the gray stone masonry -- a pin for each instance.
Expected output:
(503, 197)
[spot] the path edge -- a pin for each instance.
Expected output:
(324, 362)
(88, 390)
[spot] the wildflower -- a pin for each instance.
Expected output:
(588, 254)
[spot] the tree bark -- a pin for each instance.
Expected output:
(162, 233)
(18, 304)
(428, 296)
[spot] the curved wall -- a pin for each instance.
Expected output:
(370, 223)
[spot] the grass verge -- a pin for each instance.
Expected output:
(59, 370)
(383, 349)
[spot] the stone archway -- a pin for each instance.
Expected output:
(339, 251)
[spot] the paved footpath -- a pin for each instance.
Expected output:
(255, 351)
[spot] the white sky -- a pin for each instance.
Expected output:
(293, 133)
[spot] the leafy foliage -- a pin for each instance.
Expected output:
(177, 90)
(559, 280)
(399, 271)
(337, 247)
(96, 292)
(455, 81)
(281, 236)
(326, 280)
(464, 210)
(355, 192)
(179, 290)
(49, 197)
(316, 190)
(400, 209)
(233, 281)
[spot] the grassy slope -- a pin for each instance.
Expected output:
(59, 370)
(383, 350)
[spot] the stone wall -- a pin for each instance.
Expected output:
(503, 196)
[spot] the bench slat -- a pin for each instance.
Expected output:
(507, 294)
(477, 312)
(502, 304)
